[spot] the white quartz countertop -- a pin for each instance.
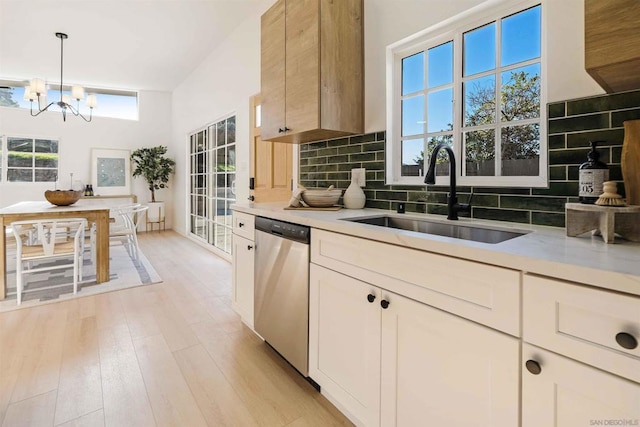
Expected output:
(543, 250)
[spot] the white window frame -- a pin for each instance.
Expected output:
(4, 159)
(453, 29)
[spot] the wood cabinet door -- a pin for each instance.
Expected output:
(272, 66)
(271, 162)
(302, 65)
(243, 265)
(567, 393)
(344, 342)
(442, 370)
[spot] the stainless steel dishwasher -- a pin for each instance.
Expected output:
(281, 301)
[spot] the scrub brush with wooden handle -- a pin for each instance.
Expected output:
(610, 197)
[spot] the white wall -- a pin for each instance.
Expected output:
(78, 137)
(230, 75)
(220, 86)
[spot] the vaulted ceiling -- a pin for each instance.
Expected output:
(124, 44)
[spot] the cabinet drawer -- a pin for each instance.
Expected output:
(483, 293)
(243, 225)
(583, 323)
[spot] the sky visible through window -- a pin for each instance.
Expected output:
(115, 106)
(520, 41)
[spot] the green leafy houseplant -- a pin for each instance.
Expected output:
(153, 166)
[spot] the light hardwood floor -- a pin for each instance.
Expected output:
(171, 354)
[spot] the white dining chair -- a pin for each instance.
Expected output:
(126, 226)
(48, 240)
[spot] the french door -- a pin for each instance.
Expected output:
(212, 181)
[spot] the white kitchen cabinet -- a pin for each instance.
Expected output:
(566, 393)
(243, 251)
(428, 366)
(442, 370)
(344, 342)
(597, 327)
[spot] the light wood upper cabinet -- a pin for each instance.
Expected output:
(312, 81)
(612, 43)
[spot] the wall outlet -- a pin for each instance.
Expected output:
(359, 176)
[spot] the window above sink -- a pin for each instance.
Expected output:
(477, 85)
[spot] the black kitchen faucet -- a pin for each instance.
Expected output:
(453, 207)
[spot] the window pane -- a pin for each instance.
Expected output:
(521, 150)
(46, 175)
(413, 73)
(521, 36)
(115, 106)
(231, 158)
(46, 160)
(480, 101)
(440, 111)
(442, 164)
(480, 152)
(231, 130)
(441, 65)
(17, 159)
(200, 163)
(46, 146)
(10, 96)
(413, 116)
(413, 157)
(231, 186)
(220, 133)
(521, 93)
(19, 175)
(480, 50)
(23, 145)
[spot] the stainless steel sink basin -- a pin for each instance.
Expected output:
(457, 231)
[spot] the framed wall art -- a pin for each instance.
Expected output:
(110, 172)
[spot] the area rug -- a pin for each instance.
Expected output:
(57, 285)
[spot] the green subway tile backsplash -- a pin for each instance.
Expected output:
(556, 110)
(571, 125)
(586, 122)
(607, 137)
(618, 118)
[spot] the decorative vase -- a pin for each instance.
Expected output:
(631, 161)
(354, 197)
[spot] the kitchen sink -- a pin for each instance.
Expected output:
(457, 231)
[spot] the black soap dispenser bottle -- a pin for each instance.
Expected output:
(592, 174)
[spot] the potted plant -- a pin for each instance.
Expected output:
(155, 168)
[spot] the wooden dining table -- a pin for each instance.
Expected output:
(36, 210)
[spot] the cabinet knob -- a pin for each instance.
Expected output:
(626, 340)
(281, 130)
(241, 224)
(533, 367)
(251, 198)
(249, 247)
(384, 304)
(286, 129)
(371, 297)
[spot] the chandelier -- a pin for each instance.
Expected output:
(37, 90)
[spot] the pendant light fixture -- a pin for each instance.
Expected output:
(37, 90)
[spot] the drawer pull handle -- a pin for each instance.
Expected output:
(533, 367)
(241, 224)
(249, 247)
(384, 304)
(626, 340)
(371, 297)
